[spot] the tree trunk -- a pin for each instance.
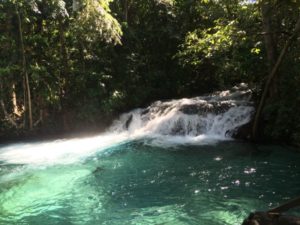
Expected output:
(266, 11)
(126, 7)
(14, 100)
(270, 79)
(81, 53)
(7, 116)
(24, 68)
(270, 43)
(64, 74)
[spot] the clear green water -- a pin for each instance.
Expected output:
(133, 183)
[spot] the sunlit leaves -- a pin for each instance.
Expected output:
(255, 51)
(60, 9)
(34, 6)
(204, 44)
(95, 22)
(165, 2)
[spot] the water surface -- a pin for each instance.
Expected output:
(136, 183)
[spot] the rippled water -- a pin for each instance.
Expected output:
(134, 183)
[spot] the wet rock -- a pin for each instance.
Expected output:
(205, 108)
(240, 87)
(219, 113)
(191, 109)
(128, 121)
(265, 218)
(243, 132)
(145, 111)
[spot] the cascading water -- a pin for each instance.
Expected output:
(214, 116)
(198, 120)
(129, 175)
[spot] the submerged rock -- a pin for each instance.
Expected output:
(98, 170)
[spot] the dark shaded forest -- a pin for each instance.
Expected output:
(70, 66)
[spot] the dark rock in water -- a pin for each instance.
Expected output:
(241, 87)
(190, 109)
(267, 218)
(205, 107)
(243, 132)
(221, 107)
(128, 121)
(178, 128)
(145, 111)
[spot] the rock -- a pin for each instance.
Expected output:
(243, 132)
(190, 109)
(240, 87)
(266, 218)
(205, 108)
(128, 121)
(145, 111)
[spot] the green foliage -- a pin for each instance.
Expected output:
(226, 40)
(94, 21)
(281, 116)
(210, 43)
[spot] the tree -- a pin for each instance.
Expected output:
(38, 26)
(272, 76)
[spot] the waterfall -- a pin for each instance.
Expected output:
(216, 115)
(199, 120)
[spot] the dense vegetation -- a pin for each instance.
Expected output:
(68, 65)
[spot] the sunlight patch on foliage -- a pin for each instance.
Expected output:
(95, 21)
(205, 44)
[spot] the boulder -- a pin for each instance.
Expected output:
(243, 132)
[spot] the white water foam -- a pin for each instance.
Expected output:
(200, 120)
(59, 151)
(189, 121)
